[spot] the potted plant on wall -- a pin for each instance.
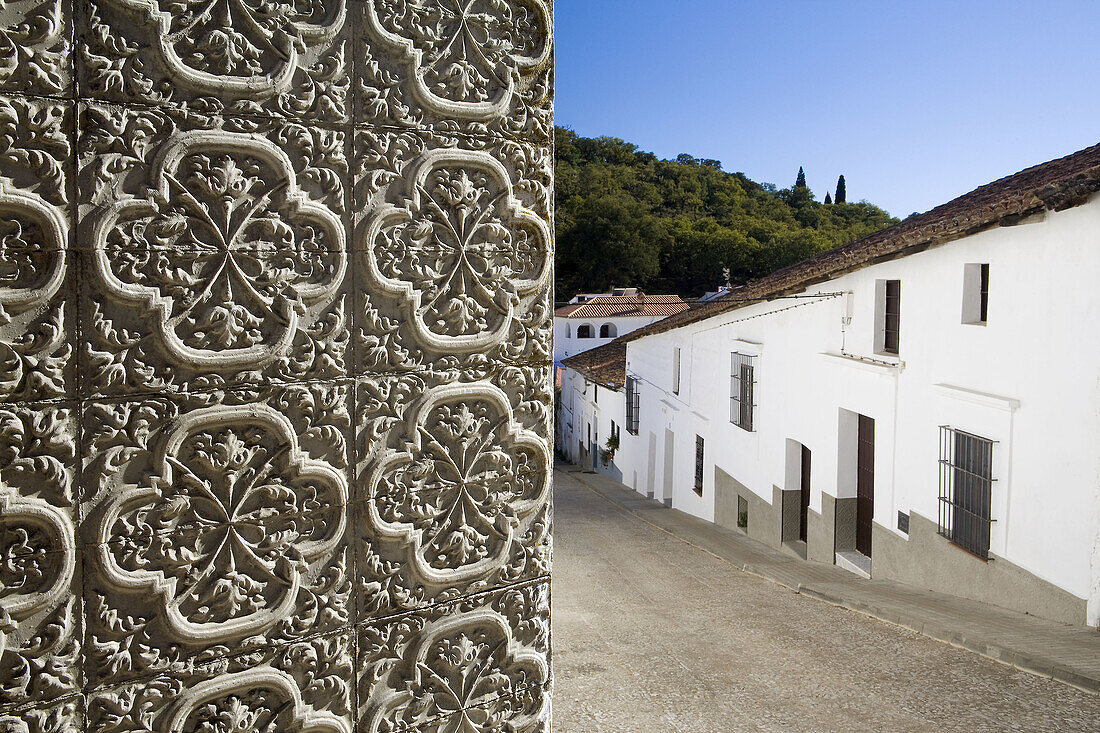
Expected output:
(607, 454)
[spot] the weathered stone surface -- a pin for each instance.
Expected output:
(483, 67)
(275, 365)
(36, 47)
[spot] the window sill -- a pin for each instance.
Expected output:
(881, 364)
(984, 399)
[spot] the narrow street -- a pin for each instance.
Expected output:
(652, 634)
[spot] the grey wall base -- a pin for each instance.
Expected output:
(764, 518)
(925, 560)
(791, 503)
(929, 561)
(820, 532)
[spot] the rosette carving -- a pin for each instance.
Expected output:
(225, 253)
(461, 252)
(465, 57)
(467, 482)
(461, 673)
(223, 531)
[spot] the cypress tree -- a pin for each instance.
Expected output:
(800, 182)
(841, 192)
(828, 198)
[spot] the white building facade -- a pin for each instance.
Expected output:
(590, 414)
(592, 321)
(931, 417)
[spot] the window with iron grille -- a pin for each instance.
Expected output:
(742, 390)
(632, 404)
(966, 490)
(699, 465)
(676, 370)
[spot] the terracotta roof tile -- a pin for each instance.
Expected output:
(611, 306)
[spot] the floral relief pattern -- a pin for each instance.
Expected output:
(226, 250)
(304, 687)
(35, 336)
(38, 553)
(464, 485)
(462, 252)
(281, 57)
(256, 476)
(477, 665)
(225, 529)
(481, 66)
(465, 56)
(263, 700)
(34, 46)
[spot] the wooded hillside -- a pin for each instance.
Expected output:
(626, 218)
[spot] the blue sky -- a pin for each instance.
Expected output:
(914, 101)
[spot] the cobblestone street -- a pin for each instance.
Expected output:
(653, 634)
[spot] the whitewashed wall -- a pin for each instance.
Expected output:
(586, 404)
(1030, 380)
(567, 344)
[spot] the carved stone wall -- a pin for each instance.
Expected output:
(275, 359)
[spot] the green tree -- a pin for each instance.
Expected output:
(828, 198)
(613, 242)
(800, 182)
(626, 218)
(841, 191)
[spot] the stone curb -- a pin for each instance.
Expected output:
(1030, 663)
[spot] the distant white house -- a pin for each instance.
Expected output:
(591, 320)
(922, 404)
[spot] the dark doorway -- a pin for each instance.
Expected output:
(804, 500)
(865, 484)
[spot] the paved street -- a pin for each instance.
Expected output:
(653, 634)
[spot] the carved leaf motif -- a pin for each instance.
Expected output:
(461, 253)
(226, 252)
(227, 526)
(33, 50)
(468, 480)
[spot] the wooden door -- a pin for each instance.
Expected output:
(865, 484)
(804, 505)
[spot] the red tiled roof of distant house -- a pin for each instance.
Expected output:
(619, 306)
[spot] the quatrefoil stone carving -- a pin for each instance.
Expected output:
(225, 253)
(223, 531)
(462, 252)
(237, 46)
(467, 669)
(465, 57)
(468, 481)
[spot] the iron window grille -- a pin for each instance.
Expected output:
(632, 405)
(699, 465)
(966, 490)
(742, 390)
